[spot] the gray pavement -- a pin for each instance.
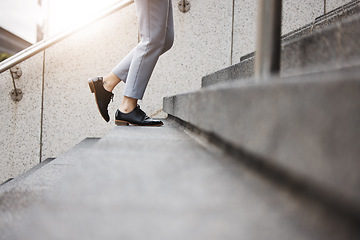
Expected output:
(167, 183)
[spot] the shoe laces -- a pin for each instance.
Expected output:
(110, 98)
(143, 114)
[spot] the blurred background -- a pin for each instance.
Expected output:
(23, 23)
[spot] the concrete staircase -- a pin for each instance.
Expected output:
(162, 183)
(330, 42)
(19, 195)
(301, 129)
(238, 159)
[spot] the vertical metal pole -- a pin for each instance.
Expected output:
(268, 44)
(13, 80)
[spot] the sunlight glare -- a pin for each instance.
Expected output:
(64, 14)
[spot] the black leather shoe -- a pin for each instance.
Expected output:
(102, 96)
(135, 117)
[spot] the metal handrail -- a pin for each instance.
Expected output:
(268, 45)
(42, 45)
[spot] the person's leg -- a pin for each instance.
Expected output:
(110, 81)
(153, 18)
(169, 39)
(157, 36)
(128, 104)
(122, 69)
(156, 32)
(120, 72)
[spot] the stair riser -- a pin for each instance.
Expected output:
(308, 126)
(332, 48)
(335, 48)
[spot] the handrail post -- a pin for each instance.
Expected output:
(268, 43)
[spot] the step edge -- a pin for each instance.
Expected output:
(251, 83)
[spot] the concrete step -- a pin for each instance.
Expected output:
(333, 17)
(306, 127)
(13, 181)
(167, 183)
(330, 43)
(28, 189)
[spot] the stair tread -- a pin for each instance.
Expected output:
(20, 194)
(307, 125)
(27, 173)
(163, 183)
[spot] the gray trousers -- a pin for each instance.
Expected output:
(156, 28)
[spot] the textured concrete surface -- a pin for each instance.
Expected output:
(244, 32)
(333, 4)
(162, 183)
(13, 181)
(331, 48)
(308, 125)
(30, 188)
(328, 47)
(331, 18)
(20, 121)
(204, 43)
(295, 15)
(242, 70)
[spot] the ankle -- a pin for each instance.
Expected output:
(110, 81)
(107, 85)
(128, 105)
(126, 109)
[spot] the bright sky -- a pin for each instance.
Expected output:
(21, 16)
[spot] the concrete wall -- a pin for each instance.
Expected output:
(69, 110)
(295, 15)
(206, 40)
(20, 121)
(332, 4)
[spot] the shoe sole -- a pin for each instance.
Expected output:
(125, 123)
(92, 89)
(91, 85)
